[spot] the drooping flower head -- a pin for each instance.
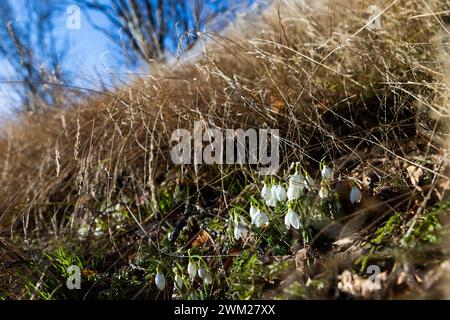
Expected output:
(296, 186)
(253, 210)
(266, 192)
(278, 192)
(192, 269)
(202, 273)
(178, 281)
(240, 228)
(160, 280)
(208, 279)
(292, 220)
(260, 218)
(326, 172)
(355, 195)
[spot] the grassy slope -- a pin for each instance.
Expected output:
(372, 104)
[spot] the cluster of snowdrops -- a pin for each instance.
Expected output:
(273, 193)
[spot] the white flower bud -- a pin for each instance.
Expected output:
(178, 281)
(160, 281)
(272, 202)
(240, 229)
(260, 219)
(253, 211)
(355, 195)
(292, 219)
(208, 279)
(327, 173)
(281, 193)
(202, 273)
(296, 186)
(266, 193)
(192, 270)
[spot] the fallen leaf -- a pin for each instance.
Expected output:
(201, 239)
(276, 104)
(87, 272)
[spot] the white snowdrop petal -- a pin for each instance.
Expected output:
(295, 221)
(287, 220)
(202, 273)
(192, 270)
(260, 219)
(208, 279)
(256, 218)
(292, 219)
(297, 182)
(293, 192)
(178, 281)
(327, 173)
(160, 281)
(271, 202)
(237, 234)
(281, 193)
(240, 229)
(274, 192)
(355, 195)
(266, 193)
(297, 179)
(264, 218)
(253, 211)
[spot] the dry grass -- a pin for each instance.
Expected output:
(370, 102)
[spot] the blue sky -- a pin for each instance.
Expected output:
(92, 58)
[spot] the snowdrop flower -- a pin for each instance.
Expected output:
(202, 273)
(253, 211)
(272, 202)
(355, 195)
(323, 192)
(292, 219)
(327, 173)
(260, 219)
(280, 193)
(178, 281)
(208, 279)
(274, 192)
(293, 192)
(192, 270)
(296, 185)
(297, 179)
(266, 193)
(240, 229)
(160, 281)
